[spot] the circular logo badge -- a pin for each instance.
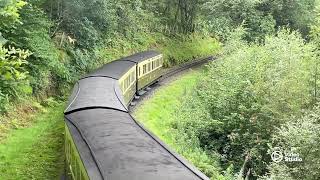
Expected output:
(277, 156)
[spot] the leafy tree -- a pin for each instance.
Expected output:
(9, 12)
(298, 14)
(222, 16)
(177, 16)
(84, 21)
(44, 64)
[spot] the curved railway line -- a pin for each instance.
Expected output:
(167, 75)
(104, 142)
(175, 70)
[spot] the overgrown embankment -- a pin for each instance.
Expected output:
(256, 99)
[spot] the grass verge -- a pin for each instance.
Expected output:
(35, 152)
(158, 114)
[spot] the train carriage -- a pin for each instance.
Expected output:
(124, 72)
(148, 67)
(103, 141)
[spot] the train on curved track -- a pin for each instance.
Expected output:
(103, 141)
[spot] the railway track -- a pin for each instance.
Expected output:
(167, 74)
(172, 71)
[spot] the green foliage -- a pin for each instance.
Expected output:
(95, 23)
(248, 92)
(302, 136)
(184, 48)
(180, 16)
(223, 16)
(9, 12)
(45, 65)
(315, 29)
(85, 21)
(259, 17)
(159, 115)
(12, 60)
(35, 152)
(298, 14)
(13, 74)
(176, 50)
(33, 35)
(50, 102)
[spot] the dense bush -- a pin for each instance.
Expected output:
(248, 92)
(13, 72)
(9, 13)
(13, 75)
(299, 135)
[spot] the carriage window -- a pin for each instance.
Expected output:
(149, 67)
(139, 71)
(144, 69)
(125, 84)
(128, 82)
(132, 77)
(153, 65)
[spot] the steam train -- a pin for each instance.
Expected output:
(103, 141)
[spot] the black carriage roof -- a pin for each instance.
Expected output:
(95, 92)
(116, 147)
(139, 57)
(116, 69)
